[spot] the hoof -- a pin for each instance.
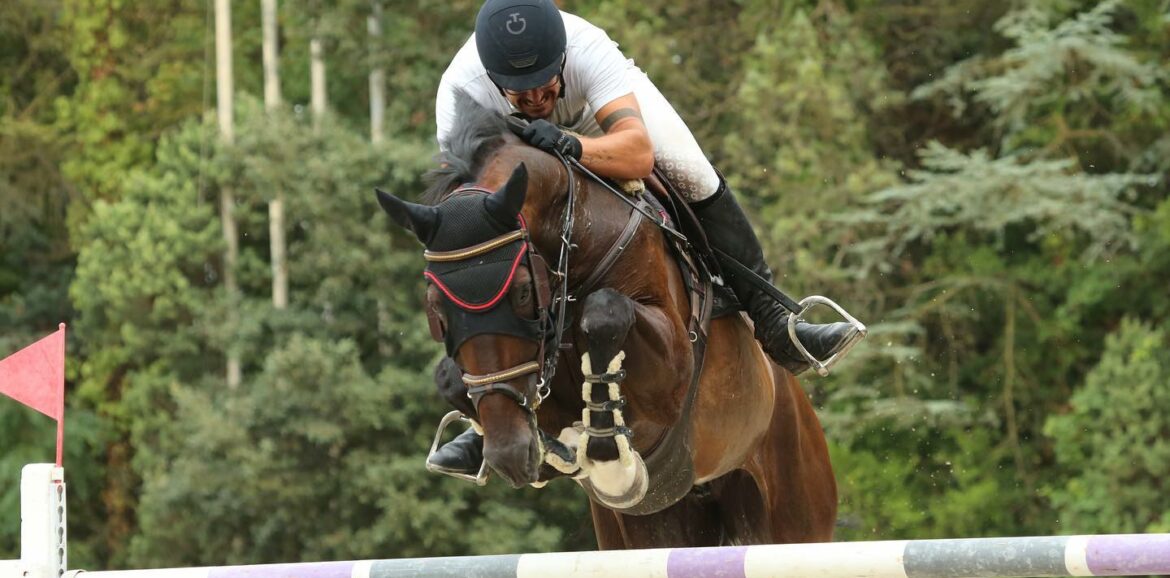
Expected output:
(606, 480)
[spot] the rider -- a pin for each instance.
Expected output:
(558, 70)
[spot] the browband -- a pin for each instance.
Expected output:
(474, 250)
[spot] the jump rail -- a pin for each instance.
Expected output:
(1106, 555)
(43, 556)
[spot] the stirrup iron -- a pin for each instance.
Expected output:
(822, 367)
(479, 479)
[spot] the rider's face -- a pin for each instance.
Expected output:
(537, 102)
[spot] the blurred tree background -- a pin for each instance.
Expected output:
(983, 182)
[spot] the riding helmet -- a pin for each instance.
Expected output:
(521, 43)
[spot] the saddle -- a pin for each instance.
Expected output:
(725, 302)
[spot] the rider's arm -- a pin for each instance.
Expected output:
(624, 151)
(444, 111)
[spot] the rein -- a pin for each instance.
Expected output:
(562, 273)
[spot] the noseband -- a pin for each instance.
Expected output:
(551, 318)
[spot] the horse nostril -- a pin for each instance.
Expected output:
(517, 462)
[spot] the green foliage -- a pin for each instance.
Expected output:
(993, 205)
(1082, 58)
(142, 280)
(1113, 443)
(138, 75)
(992, 196)
(316, 460)
(35, 259)
(1009, 262)
(945, 489)
(805, 88)
(273, 458)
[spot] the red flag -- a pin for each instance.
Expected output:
(35, 376)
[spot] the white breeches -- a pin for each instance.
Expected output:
(676, 153)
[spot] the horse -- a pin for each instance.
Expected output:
(682, 435)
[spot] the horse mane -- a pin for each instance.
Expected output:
(476, 133)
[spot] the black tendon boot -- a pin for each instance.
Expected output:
(729, 231)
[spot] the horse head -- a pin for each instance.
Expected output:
(484, 302)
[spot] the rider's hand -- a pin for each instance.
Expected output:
(546, 136)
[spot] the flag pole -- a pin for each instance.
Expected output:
(61, 407)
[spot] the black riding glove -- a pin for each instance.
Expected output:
(547, 137)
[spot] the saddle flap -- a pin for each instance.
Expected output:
(688, 223)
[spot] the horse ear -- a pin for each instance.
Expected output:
(506, 203)
(420, 219)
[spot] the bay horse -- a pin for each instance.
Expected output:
(532, 265)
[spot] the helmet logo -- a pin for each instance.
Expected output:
(516, 19)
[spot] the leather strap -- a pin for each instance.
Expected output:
(476, 393)
(614, 252)
(475, 250)
(501, 376)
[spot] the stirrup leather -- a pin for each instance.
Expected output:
(479, 479)
(822, 367)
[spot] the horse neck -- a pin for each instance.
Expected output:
(598, 217)
(547, 183)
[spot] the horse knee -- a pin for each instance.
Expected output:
(605, 321)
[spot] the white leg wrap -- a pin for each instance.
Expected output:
(616, 477)
(569, 438)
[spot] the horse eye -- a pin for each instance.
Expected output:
(435, 305)
(522, 300)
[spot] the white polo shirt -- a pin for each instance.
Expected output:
(596, 73)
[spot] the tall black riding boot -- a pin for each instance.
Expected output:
(729, 231)
(464, 454)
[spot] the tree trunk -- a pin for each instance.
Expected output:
(317, 79)
(377, 110)
(272, 96)
(377, 74)
(227, 199)
(278, 246)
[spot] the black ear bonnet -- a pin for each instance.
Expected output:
(474, 288)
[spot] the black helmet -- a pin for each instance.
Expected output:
(521, 43)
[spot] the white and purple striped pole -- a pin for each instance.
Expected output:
(1104, 555)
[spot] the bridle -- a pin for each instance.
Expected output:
(551, 304)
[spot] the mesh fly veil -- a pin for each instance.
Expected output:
(476, 287)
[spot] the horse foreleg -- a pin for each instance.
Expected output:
(614, 471)
(605, 322)
(691, 522)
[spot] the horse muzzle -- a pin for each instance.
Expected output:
(515, 455)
